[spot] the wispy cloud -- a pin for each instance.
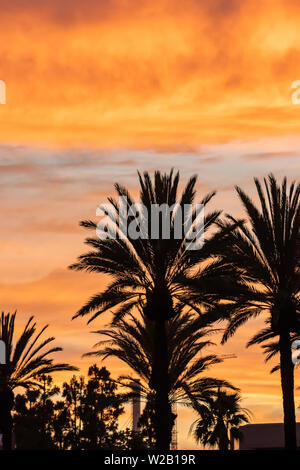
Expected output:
(270, 155)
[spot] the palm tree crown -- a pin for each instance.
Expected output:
(220, 420)
(152, 272)
(132, 341)
(267, 256)
(29, 357)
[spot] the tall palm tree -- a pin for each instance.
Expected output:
(220, 419)
(26, 359)
(154, 271)
(266, 254)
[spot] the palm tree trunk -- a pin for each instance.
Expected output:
(231, 441)
(163, 418)
(7, 436)
(287, 386)
(6, 422)
(223, 435)
(223, 445)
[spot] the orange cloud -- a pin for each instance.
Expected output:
(142, 74)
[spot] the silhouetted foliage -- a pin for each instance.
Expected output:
(81, 415)
(132, 341)
(100, 409)
(265, 253)
(27, 359)
(160, 275)
(220, 419)
(35, 415)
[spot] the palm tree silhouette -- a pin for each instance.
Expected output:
(156, 274)
(133, 342)
(266, 255)
(220, 419)
(25, 362)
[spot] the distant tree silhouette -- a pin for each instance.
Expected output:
(62, 426)
(266, 254)
(101, 407)
(146, 421)
(44, 418)
(220, 419)
(73, 393)
(157, 273)
(34, 416)
(25, 361)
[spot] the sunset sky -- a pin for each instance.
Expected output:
(97, 89)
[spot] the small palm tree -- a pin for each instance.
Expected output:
(132, 341)
(26, 360)
(27, 357)
(220, 419)
(156, 272)
(266, 254)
